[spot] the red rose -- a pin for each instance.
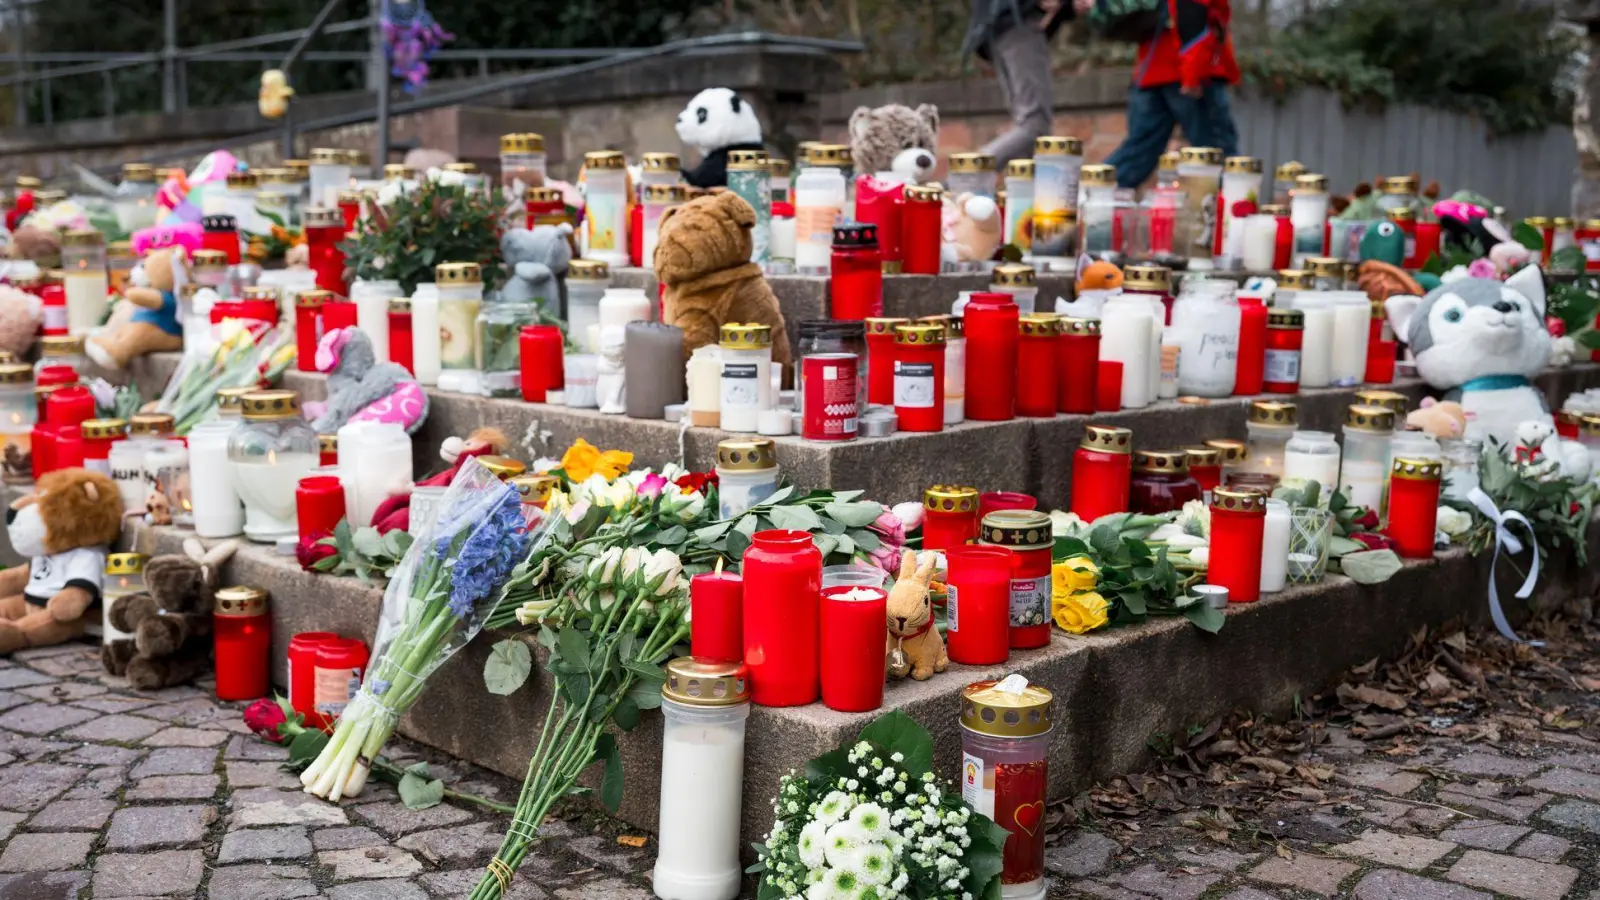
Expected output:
(1373, 540)
(1555, 326)
(308, 552)
(1242, 208)
(263, 717)
(1367, 520)
(696, 481)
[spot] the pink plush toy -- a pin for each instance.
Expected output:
(360, 389)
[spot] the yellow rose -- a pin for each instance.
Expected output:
(613, 463)
(1073, 575)
(1081, 612)
(579, 461)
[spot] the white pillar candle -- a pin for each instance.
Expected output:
(820, 194)
(217, 510)
(1313, 456)
(374, 462)
(702, 781)
(372, 312)
(1241, 181)
(1308, 214)
(1275, 547)
(746, 384)
(1259, 246)
(1126, 329)
(86, 299)
(1316, 346)
(425, 334)
(1352, 317)
(1205, 324)
(705, 386)
(1159, 362)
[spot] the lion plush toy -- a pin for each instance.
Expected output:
(154, 325)
(171, 622)
(703, 258)
(65, 528)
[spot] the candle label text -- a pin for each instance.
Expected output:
(1283, 366)
(740, 389)
(1030, 601)
(913, 385)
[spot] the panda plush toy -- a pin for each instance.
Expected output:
(716, 121)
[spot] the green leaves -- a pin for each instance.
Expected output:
(1528, 236)
(417, 790)
(433, 224)
(857, 514)
(1370, 566)
(508, 666)
(897, 732)
(611, 781)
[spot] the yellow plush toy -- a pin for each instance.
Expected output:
(915, 646)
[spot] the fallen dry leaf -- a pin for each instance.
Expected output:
(632, 840)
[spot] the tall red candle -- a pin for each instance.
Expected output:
(782, 602)
(1414, 505)
(1249, 372)
(716, 623)
(1108, 386)
(319, 505)
(1283, 244)
(856, 273)
(1405, 219)
(309, 327)
(221, 233)
(242, 640)
(70, 405)
(340, 663)
(1427, 242)
(880, 359)
(881, 204)
(1026, 533)
(978, 604)
(303, 674)
(553, 346)
(1005, 770)
(1102, 470)
(540, 347)
(1238, 525)
(324, 229)
(920, 227)
(1078, 365)
(949, 516)
(338, 313)
(853, 621)
(1285, 335)
(1037, 344)
(350, 208)
(400, 345)
(919, 376)
(68, 450)
(991, 322)
(1205, 467)
(994, 501)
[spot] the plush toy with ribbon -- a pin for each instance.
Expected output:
(915, 647)
(361, 389)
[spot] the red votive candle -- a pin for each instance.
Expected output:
(1249, 372)
(856, 273)
(994, 501)
(992, 327)
(853, 620)
(1283, 247)
(324, 229)
(879, 204)
(400, 346)
(1077, 365)
(1108, 386)
(70, 405)
(1238, 523)
(327, 449)
(978, 604)
(340, 663)
(782, 601)
(1414, 505)
(918, 376)
(1380, 362)
(880, 359)
(318, 505)
(1568, 423)
(1102, 472)
(716, 624)
(1205, 467)
(68, 450)
(98, 436)
(221, 233)
(303, 674)
(349, 209)
(1037, 342)
(53, 312)
(539, 346)
(1285, 334)
(950, 516)
(241, 636)
(309, 327)
(553, 344)
(920, 226)
(1427, 242)
(1026, 533)
(338, 313)
(43, 441)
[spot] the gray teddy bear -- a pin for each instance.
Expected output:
(537, 261)
(356, 380)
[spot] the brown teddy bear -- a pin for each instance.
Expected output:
(153, 327)
(915, 646)
(171, 622)
(895, 139)
(703, 257)
(64, 528)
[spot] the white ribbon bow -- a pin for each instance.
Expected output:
(1504, 538)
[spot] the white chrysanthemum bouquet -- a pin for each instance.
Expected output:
(873, 822)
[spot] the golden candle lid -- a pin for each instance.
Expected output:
(1324, 267)
(747, 160)
(242, 179)
(1022, 529)
(151, 425)
(28, 183)
(313, 298)
(104, 429)
(205, 258)
(462, 168)
(1244, 500)
(138, 172)
(1402, 214)
(1369, 417)
(1311, 184)
(1246, 164)
(399, 172)
(1285, 318)
(1046, 325)
(747, 454)
(400, 304)
(917, 334)
(1107, 439)
(457, 273)
(1289, 171)
(660, 162)
(299, 168)
(1591, 424)
(327, 443)
(986, 709)
(737, 336)
(835, 155)
(1057, 143)
(588, 270)
(348, 198)
(1171, 462)
(1273, 412)
(1294, 280)
(543, 195)
(1168, 161)
(1203, 456)
(523, 142)
(503, 467)
(777, 167)
(1019, 168)
(240, 601)
(1013, 275)
(16, 373)
(264, 292)
(322, 217)
(1200, 156)
(704, 682)
(1399, 184)
(61, 345)
(120, 249)
(268, 406)
(882, 324)
(326, 156)
(1562, 222)
(951, 498)
(927, 193)
(1539, 222)
(969, 163)
(1087, 327)
(230, 400)
(1393, 400)
(125, 563)
(1408, 468)
(82, 237)
(1277, 210)
(534, 488)
(1233, 451)
(1098, 176)
(50, 197)
(1152, 279)
(1568, 417)
(1591, 224)
(604, 159)
(665, 193)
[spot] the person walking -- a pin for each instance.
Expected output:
(1014, 36)
(1181, 79)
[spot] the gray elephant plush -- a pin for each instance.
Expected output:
(537, 259)
(361, 389)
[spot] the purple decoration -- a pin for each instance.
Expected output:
(410, 38)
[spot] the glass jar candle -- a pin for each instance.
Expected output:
(1397, 192)
(522, 164)
(1057, 160)
(18, 414)
(1275, 547)
(1205, 467)
(852, 625)
(1098, 234)
(829, 336)
(1414, 505)
(1026, 533)
(242, 641)
(1317, 337)
(498, 345)
(978, 603)
(329, 174)
(704, 704)
(374, 461)
(1077, 364)
(1130, 334)
(587, 281)
(126, 458)
(460, 293)
(239, 201)
(950, 516)
(124, 575)
(1101, 470)
(83, 259)
(919, 376)
(660, 168)
(856, 275)
(1205, 325)
(1249, 373)
(1161, 482)
(269, 453)
(209, 269)
(606, 213)
(134, 203)
(746, 379)
(1020, 281)
(1285, 332)
(474, 180)
(971, 173)
(992, 323)
(1313, 456)
(1005, 749)
(1019, 205)
(1308, 215)
(747, 473)
(166, 472)
(657, 199)
(1270, 426)
(1394, 401)
(1460, 457)
(1234, 454)
(920, 226)
(749, 178)
(782, 612)
(1241, 190)
(880, 358)
(1037, 346)
(426, 343)
(1238, 525)
(324, 229)
(820, 196)
(1352, 316)
(279, 195)
(1199, 182)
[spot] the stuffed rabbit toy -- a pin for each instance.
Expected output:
(915, 646)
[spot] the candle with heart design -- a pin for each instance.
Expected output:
(1005, 744)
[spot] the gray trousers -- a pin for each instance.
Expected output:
(1021, 56)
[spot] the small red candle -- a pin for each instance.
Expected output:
(1102, 469)
(338, 313)
(319, 505)
(853, 622)
(991, 322)
(222, 234)
(324, 229)
(53, 314)
(43, 441)
(545, 206)
(242, 640)
(1568, 424)
(993, 501)
(881, 204)
(919, 376)
(1238, 525)
(340, 663)
(70, 405)
(716, 608)
(349, 209)
(303, 674)
(1283, 247)
(327, 449)
(68, 450)
(880, 358)
(1108, 386)
(1038, 340)
(539, 346)
(98, 436)
(949, 516)
(1414, 505)
(782, 612)
(1248, 373)
(978, 604)
(553, 344)
(309, 326)
(920, 226)
(1026, 533)
(1205, 467)
(1427, 242)
(400, 346)
(1381, 361)
(1077, 365)
(1285, 334)
(856, 273)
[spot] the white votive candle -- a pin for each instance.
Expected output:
(702, 781)
(217, 510)
(1316, 350)
(425, 334)
(1125, 335)
(1352, 317)
(1275, 547)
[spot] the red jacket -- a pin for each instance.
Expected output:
(1192, 48)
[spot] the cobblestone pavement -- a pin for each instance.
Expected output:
(107, 793)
